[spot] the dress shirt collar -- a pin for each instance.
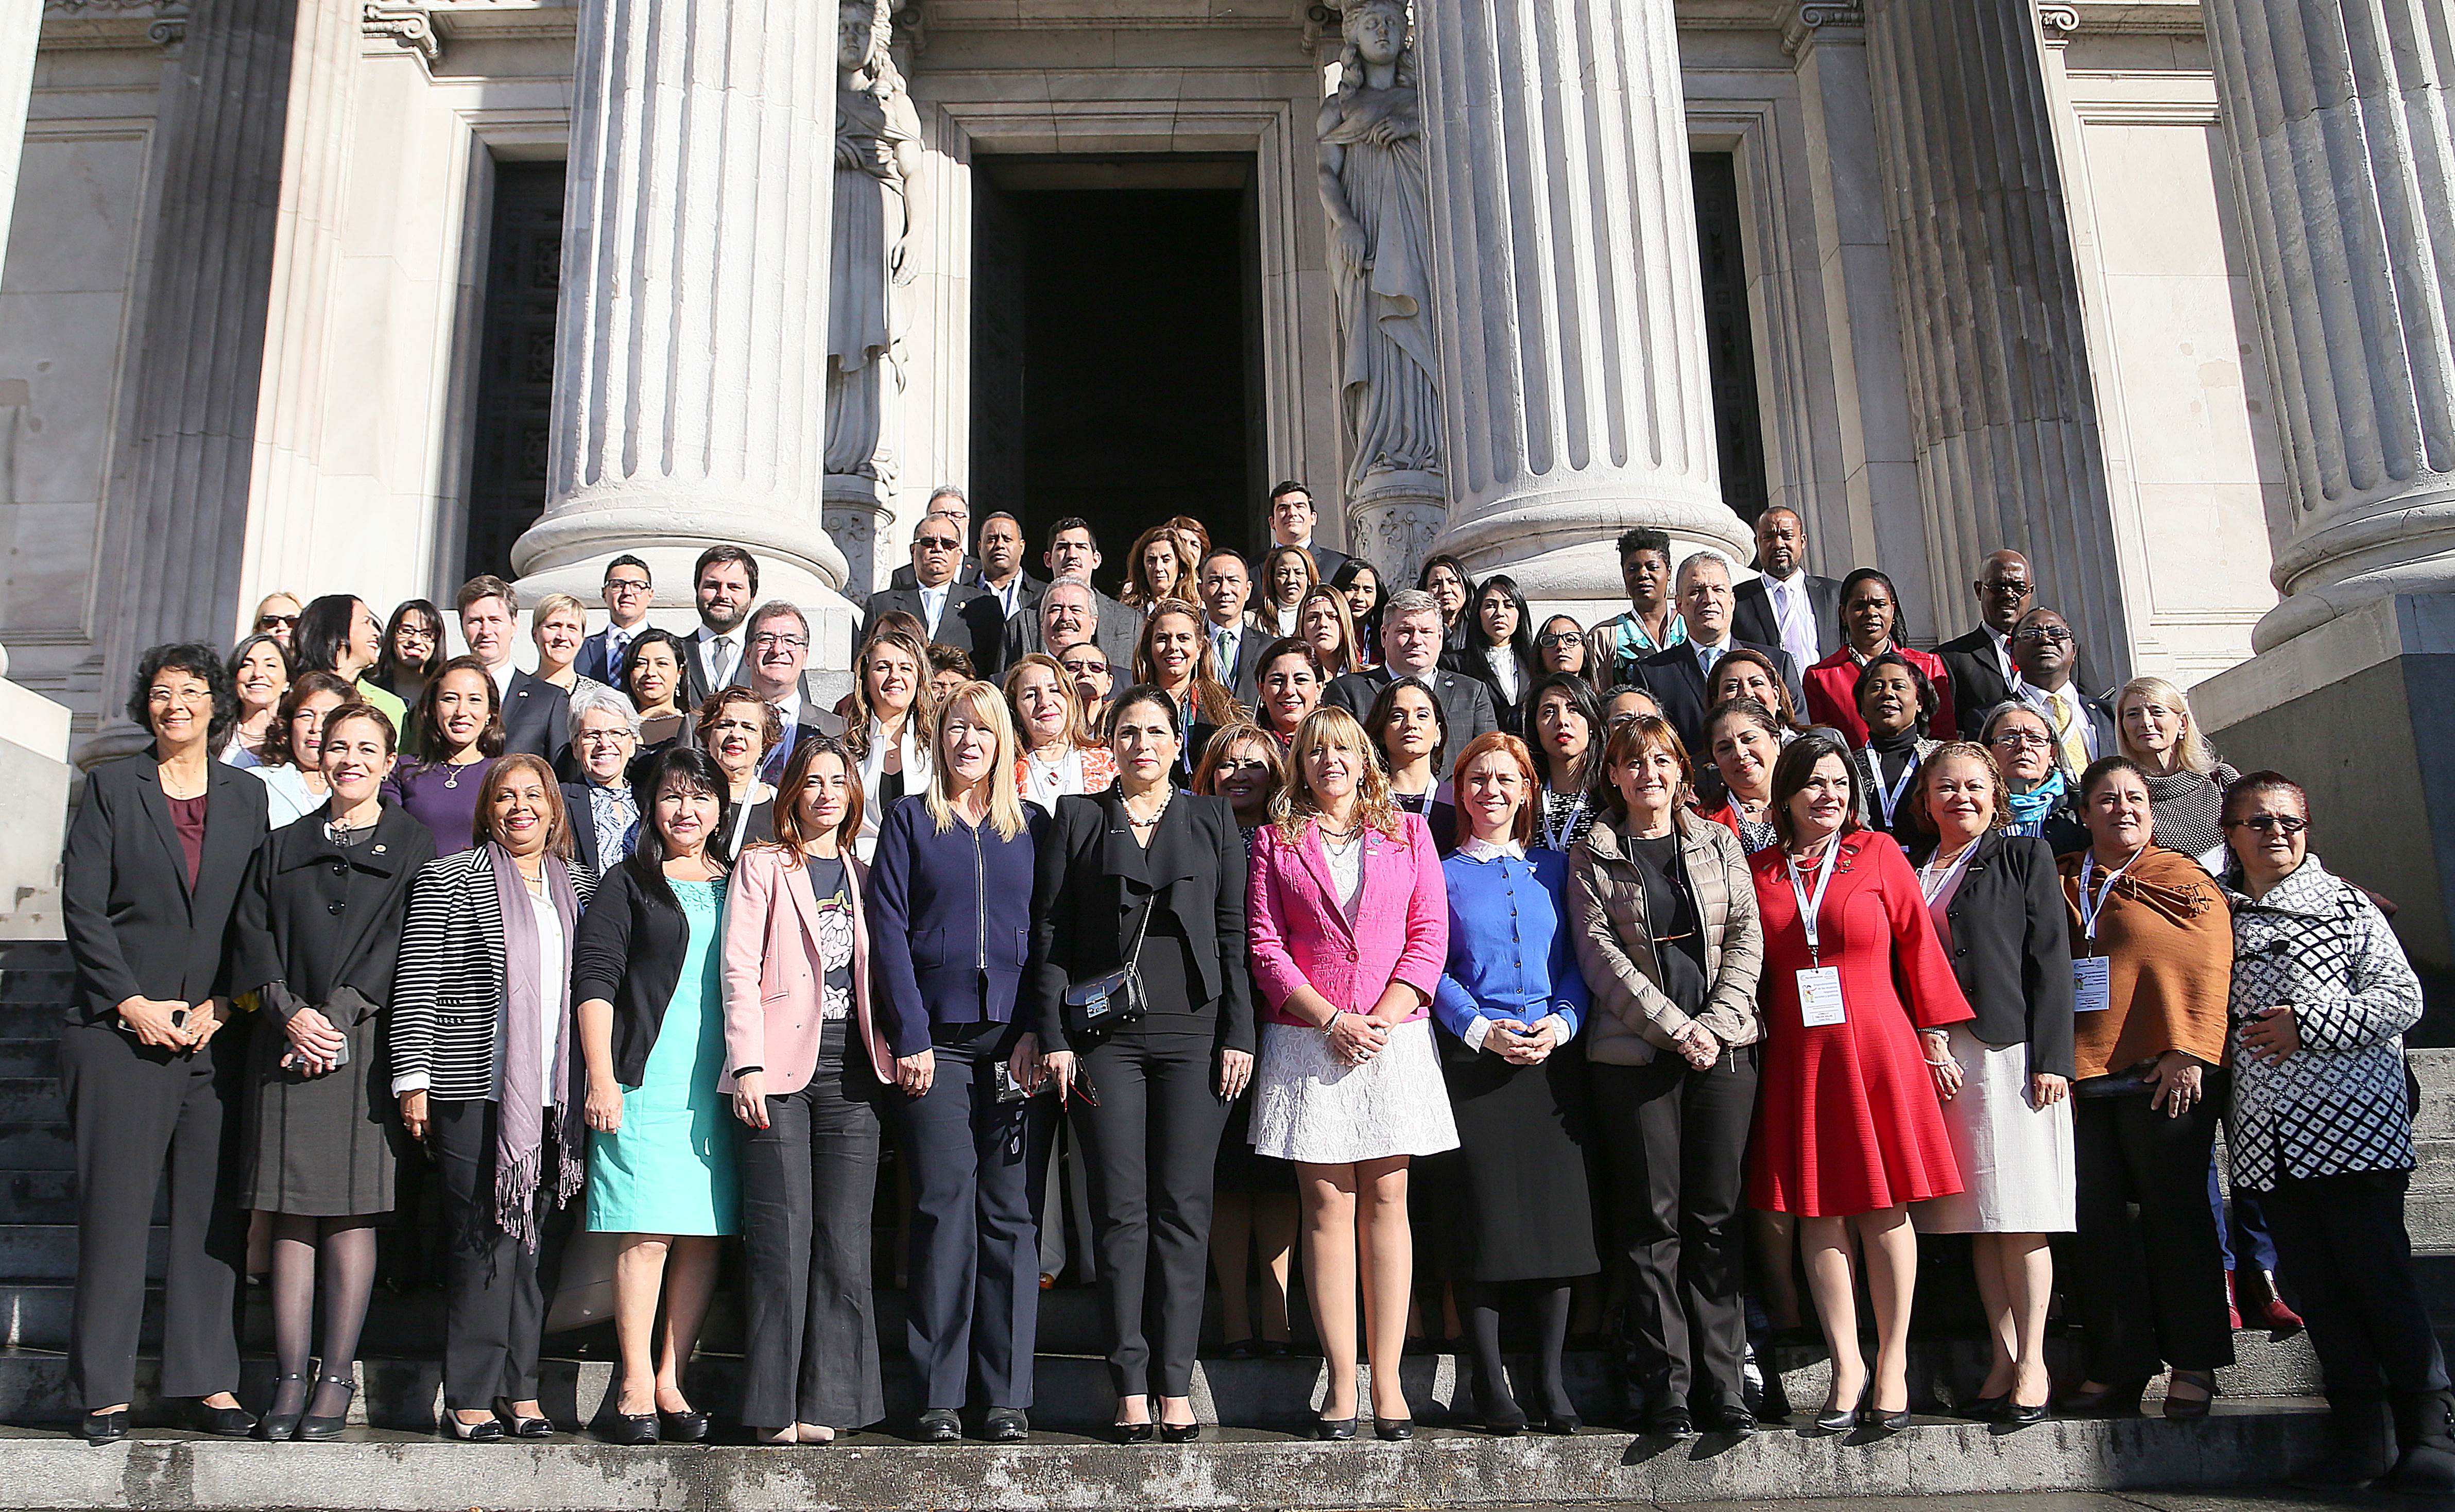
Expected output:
(1483, 850)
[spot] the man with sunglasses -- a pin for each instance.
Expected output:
(1979, 663)
(2045, 656)
(952, 612)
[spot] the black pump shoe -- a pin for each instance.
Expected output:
(2015, 1414)
(1333, 1429)
(1881, 1422)
(687, 1426)
(1134, 1432)
(276, 1426)
(316, 1429)
(103, 1427)
(1841, 1419)
(633, 1430)
(1179, 1432)
(1987, 1409)
(1394, 1430)
(226, 1423)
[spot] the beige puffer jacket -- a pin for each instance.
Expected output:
(1633, 1017)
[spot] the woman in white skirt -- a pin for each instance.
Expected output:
(1998, 905)
(1349, 921)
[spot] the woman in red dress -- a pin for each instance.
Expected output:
(1849, 1128)
(1870, 625)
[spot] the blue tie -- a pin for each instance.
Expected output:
(1708, 656)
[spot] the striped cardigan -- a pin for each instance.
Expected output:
(447, 1006)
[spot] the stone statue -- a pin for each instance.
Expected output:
(877, 163)
(1375, 185)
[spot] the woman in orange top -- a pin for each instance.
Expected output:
(2152, 963)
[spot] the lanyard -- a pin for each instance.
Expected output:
(2089, 909)
(1556, 837)
(1932, 882)
(1890, 798)
(1809, 910)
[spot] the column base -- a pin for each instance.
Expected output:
(857, 513)
(1560, 545)
(1392, 522)
(2361, 711)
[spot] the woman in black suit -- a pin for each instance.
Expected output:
(483, 1044)
(1998, 905)
(317, 937)
(1148, 879)
(1499, 649)
(150, 1057)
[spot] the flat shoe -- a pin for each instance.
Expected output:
(635, 1430)
(102, 1428)
(489, 1431)
(226, 1423)
(687, 1426)
(518, 1427)
(2020, 1415)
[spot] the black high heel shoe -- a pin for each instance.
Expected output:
(1392, 1430)
(517, 1426)
(1987, 1409)
(1179, 1432)
(276, 1426)
(315, 1427)
(1841, 1419)
(2018, 1414)
(1882, 1421)
(1333, 1429)
(1133, 1432)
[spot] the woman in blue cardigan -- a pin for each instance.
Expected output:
(950, 905)
(1511, 1201)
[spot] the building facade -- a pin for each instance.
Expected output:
(371, 294)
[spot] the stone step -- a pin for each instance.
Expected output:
(33, 1101)
(42, 1146)
(47, 1252)
(37, 1055)
(2435, 1069)
(1234, 1469)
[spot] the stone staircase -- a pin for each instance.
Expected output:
(2266, 1414)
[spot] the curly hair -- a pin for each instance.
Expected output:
(1294, 807)
(199, 661)
(1350, 57)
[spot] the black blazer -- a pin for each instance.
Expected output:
(537, 717)
(1469, 662)
(135, 928)
(584, 827)
(1466, 704)
(1752, 616)
(1677, 683)
(809, 724)
(2011, 947)
(316, 917)
(1091, 883)
(973, 622)
(1978, 684)
(629, 952)
(904, 576)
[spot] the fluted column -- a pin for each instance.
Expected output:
(2002, 398)
(21, 27)
(1571, 319)
(690, 361)
(174, 519)
(2345, 158)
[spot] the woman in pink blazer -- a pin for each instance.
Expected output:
(1349, 920)
(808, 1073)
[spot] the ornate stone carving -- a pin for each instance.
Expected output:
(407, 26)
(878, 162)
(854, 527)
(2056, 23)
(1376, 187)
(1817, 17)
(1394, 535)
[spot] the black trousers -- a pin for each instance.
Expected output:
(978, 1169)
(2149, 1282)
(139, 1113)
(1153, 1143)
(495, 1287)
(808, 1178)
(1675, 1143)
(2341, 1244)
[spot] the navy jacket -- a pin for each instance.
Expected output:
(949, 923)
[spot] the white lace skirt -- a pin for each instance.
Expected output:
(1309, 1106)
(2017, 1165)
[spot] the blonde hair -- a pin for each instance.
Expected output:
(1078, 725)
(2192, 750)
(1293, 806)
(547, 607)
(922, 718)
(986, 706)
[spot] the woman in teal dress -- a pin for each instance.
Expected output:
(646, 972)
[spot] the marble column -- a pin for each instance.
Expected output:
(2337, 116)
(21, 27)
(2002, 402)
(1567, 302)
(690, 361)
(175, 517)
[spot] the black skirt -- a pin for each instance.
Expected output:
(1512, 1203)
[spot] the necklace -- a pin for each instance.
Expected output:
(452, 771)
(1166, 797)
(1338, 836)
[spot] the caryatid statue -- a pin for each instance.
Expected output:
(878, 164)
(1376, 187)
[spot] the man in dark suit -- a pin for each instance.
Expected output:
(948, 500)
(724, 583)
(533, 710)
(1001, 571)
(958, 615)
(779, 652)
(1226, 585)
(1411, 647)
(1070, 613)
(1292, 516)
(1786, 605)
(1979, 663)
(1677, 677)
(1073, 552)
(2046, 656)
(629, 593)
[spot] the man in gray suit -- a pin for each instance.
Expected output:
(1073, 553)
(1411, 647)
(1067, 614)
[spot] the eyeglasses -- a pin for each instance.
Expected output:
(273, 621)
(1560, 637)
(2045, 634)
(937, 543)
(2005, 590)
(768, 637)
(595, 737)
(2015, 739)
(2281, 824)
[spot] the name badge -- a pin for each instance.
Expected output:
(2092, 993)
(1820, 996)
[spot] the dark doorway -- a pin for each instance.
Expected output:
(507, 478)
(1114, 304)
(1730, 340)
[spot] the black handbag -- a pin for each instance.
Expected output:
(1113, 999)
